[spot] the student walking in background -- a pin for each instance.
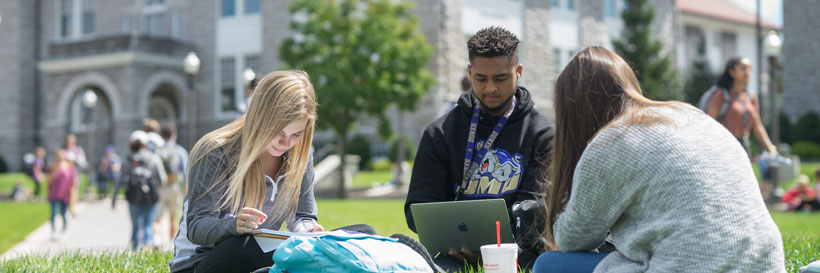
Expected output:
(173, 158)
(108, 171)
(142, 176)
(62, 179)
(37, 171)
(671, 186)
(255, 172)
(76, 155)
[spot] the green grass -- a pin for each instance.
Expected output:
(365, 179)
(121, 261)
(801, 239)
(386, 216)
(9, 180)
(19, 220)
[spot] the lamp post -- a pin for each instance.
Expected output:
(191, 67)
(90, 101)
(772, 45)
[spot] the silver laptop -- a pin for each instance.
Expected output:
(442, 226)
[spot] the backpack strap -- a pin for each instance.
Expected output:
(727, 100)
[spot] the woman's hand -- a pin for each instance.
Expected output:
(317, 227)
(249, 219)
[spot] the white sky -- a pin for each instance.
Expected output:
(772, 10)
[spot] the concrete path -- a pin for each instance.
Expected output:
(94, 228)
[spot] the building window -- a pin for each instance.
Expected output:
(609, 8)
(66, 10)
(555, 3)
(728, 45)
(556, 61)
(155, 2)
(694, 36)
(177, 29)
(88, 16)
(228, 88)
(251, 6)
(154, 24)
(252, 62)
(571, 4)
(228, 8)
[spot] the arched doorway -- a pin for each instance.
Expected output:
(92, 124)
(163, 104)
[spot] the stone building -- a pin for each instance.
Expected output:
(801, 79)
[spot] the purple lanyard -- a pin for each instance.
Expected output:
(470, 163)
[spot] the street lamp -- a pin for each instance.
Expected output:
(191, 66)
(90, 101)
(772, 45)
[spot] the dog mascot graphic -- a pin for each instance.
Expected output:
(498, 173)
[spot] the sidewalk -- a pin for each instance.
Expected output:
(94, 228)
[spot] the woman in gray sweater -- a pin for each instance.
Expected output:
(255, 172)
(671, 186)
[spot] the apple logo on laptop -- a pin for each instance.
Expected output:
(462, 227)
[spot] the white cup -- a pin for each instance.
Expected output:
(502, 259)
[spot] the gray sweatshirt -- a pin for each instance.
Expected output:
(678, 197)
(203, 225)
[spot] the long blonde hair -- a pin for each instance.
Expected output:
(596, 88)
(282, 97)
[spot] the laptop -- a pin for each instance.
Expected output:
(442, 226)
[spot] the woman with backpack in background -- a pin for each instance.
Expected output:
(735, 108)
(142, 175)
(665, 182)
(255, 172)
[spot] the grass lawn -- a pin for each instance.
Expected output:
(19, 220)
(800, 233)
(365, 179)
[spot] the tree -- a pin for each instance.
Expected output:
(362, 56)
(701, 77)
(655, 73)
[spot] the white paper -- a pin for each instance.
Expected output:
(267, 244)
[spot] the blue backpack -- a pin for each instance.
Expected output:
(339, 251)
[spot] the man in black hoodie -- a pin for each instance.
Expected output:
(509, 167)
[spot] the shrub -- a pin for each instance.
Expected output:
(808, 128)
(786, 129)
(360, 146)
(4, 168)
(409, 150)
(381, 164)
(806, 150)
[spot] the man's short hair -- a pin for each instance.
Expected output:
(493, 42)
(167, 131)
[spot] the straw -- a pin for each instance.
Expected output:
(498, 232)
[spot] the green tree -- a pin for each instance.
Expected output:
(362, 56)
(701, 77)
(655, 73)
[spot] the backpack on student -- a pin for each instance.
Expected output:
(141, 187)
(170, 161)
(339, 251)
(706, 98)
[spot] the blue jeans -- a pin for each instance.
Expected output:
(567, 262)
(63, 206)
(141, 217)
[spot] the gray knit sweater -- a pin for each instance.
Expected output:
(678, 197)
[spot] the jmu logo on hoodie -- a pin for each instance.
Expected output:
(498, 173)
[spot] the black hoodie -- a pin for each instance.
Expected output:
(523, 143)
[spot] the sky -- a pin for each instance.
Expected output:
(771, 11)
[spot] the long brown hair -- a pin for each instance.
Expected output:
(595, 88)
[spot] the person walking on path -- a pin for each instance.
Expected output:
(62, 179)
(174, 157)
(255, 172)
(143, 175)
(108, 171)
(37, 171)
(76, 155)
(669, 185)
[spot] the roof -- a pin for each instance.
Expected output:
(722, 10)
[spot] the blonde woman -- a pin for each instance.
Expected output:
(669, 184)
(255, 172)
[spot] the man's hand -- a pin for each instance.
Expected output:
(465, 255)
